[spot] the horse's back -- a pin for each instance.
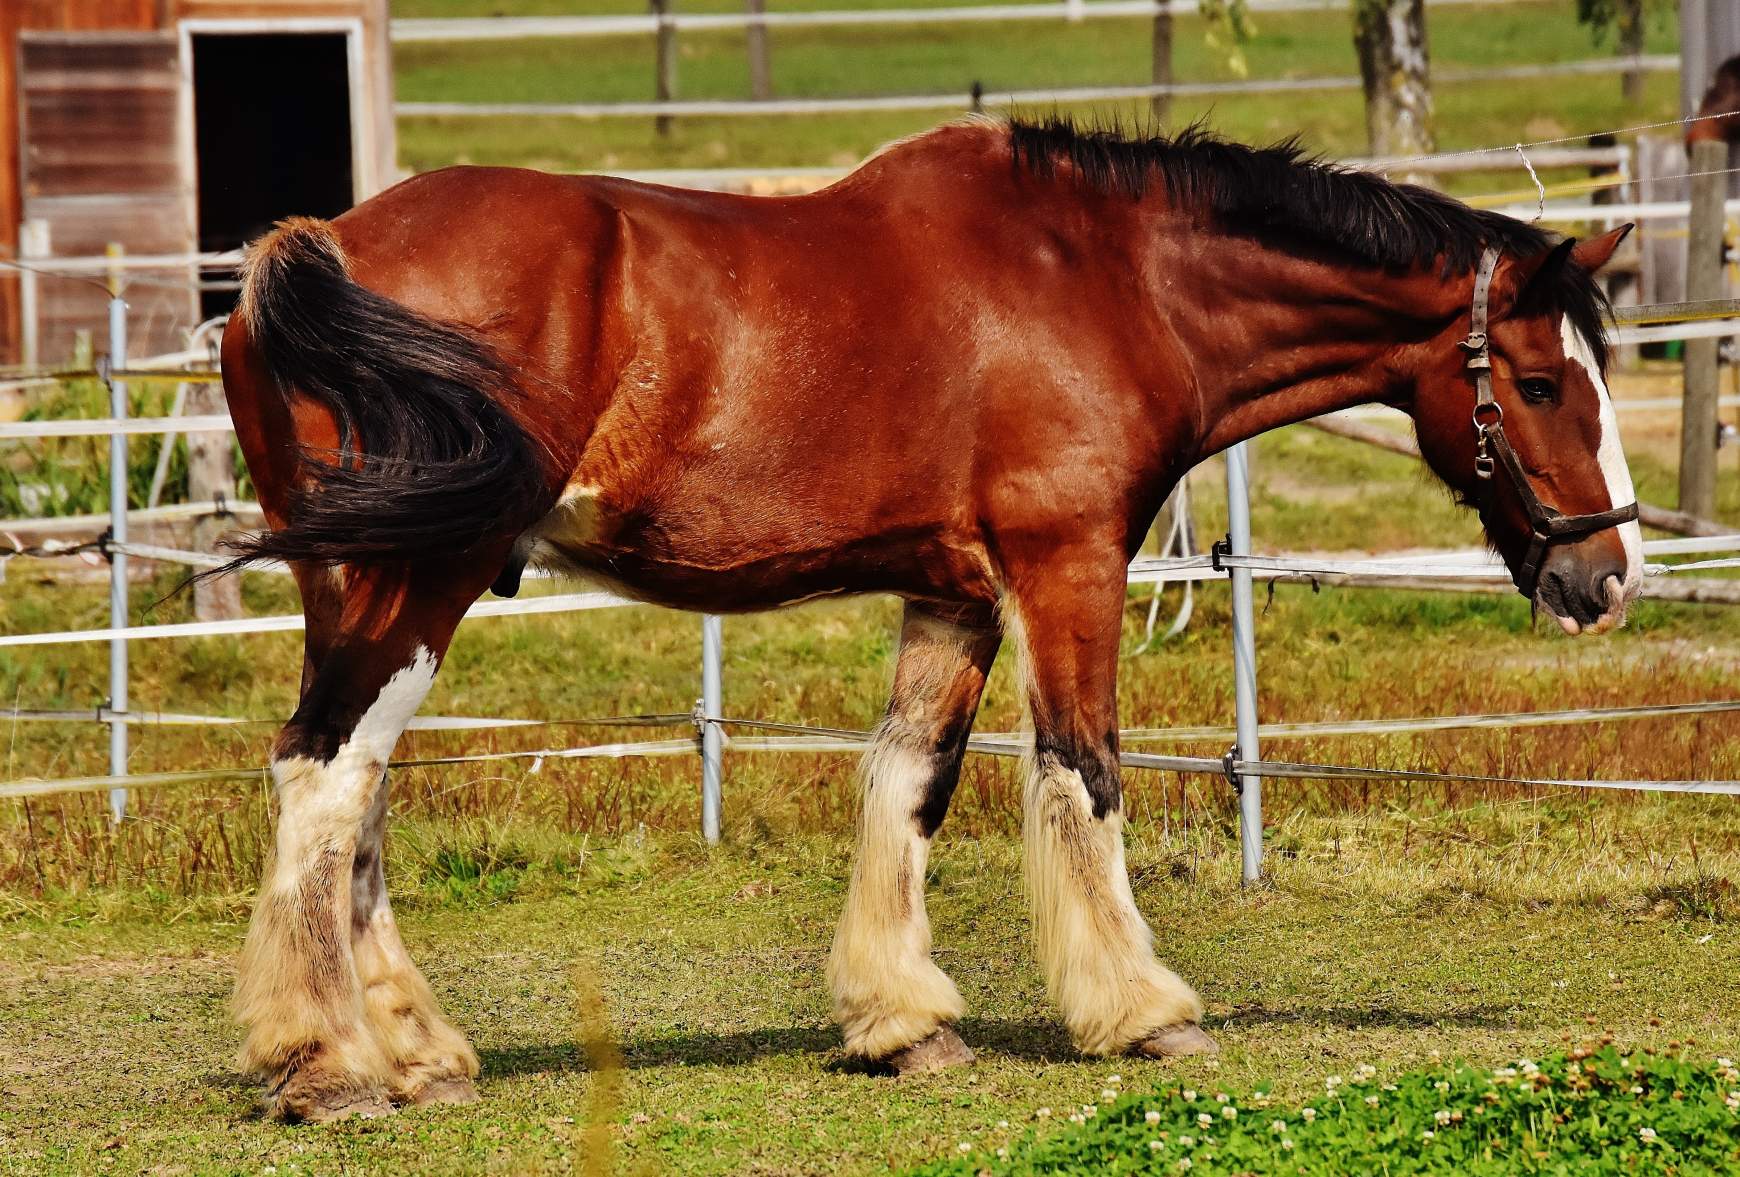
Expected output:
(792, 394)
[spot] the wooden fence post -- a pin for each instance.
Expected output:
(665, 67)
(211, 476)
(1161, 104)
(33, 242)
(1704, 264)
(760, 67)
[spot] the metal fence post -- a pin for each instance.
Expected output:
(118, 612)
(1238, 510)
(712, 738)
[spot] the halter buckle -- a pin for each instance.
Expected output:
(1483, 464)
(1475, 346)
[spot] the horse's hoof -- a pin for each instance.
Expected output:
(455, 1091)
(1175, 1041)
(938, 1051)
(321, 1107)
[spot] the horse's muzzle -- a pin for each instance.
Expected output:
(1585, 595)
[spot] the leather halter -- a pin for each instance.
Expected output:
(1546, 523)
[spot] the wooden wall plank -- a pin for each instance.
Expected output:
(60, 165)
(100, 163)
(64, 15)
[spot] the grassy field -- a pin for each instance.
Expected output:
(1399, 924)
(1490, 932)
(949, 58)
(1333, 655)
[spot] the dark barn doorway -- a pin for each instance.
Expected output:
(272, 136)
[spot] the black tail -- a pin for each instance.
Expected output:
(431, 462)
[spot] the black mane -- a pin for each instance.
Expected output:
(1281, 191)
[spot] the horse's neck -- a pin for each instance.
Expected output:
(1280, 339)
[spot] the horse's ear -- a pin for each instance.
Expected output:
(1515, 279)
(1594, 253)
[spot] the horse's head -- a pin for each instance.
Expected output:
(1514, 415)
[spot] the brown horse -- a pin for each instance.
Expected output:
(967, 375)
(1718, 116)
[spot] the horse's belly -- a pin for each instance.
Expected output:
(751, 551)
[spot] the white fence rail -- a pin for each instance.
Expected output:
(751, 108)
(516, 28)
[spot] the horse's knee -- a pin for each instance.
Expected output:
(1093, 762)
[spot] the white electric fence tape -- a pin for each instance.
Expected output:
(826, 739)
(1143, 570)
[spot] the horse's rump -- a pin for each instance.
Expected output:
(430, 459)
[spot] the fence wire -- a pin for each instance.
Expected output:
(810, 738)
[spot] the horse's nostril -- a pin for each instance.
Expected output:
(1552, 593)
(1600, 588)
(1572, 596)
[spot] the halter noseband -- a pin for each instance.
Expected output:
(1546, 523)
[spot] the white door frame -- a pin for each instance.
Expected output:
(363, 181)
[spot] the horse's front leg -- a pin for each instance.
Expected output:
(1093, 945)
(892, 1002)
(338, 1020)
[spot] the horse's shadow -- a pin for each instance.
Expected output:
(1037, 1040)
(1369, 1017)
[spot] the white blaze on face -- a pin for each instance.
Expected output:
(1609, 454)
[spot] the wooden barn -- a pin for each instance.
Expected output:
(169, 128)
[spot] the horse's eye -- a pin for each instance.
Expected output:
(1535, 390)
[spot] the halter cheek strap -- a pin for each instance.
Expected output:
(1546, 523)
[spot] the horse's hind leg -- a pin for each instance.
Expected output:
(1094, 947)
(338, 1021)
(890, 999)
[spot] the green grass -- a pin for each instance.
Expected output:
(1481, 923)
(949, 58)
(1588, 1110)
(70, 475)
(440, 8)
(1484, 924)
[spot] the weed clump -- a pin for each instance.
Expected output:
(1587, 1110)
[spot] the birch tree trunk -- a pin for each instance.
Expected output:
(1390, 37)
(1630, 20)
